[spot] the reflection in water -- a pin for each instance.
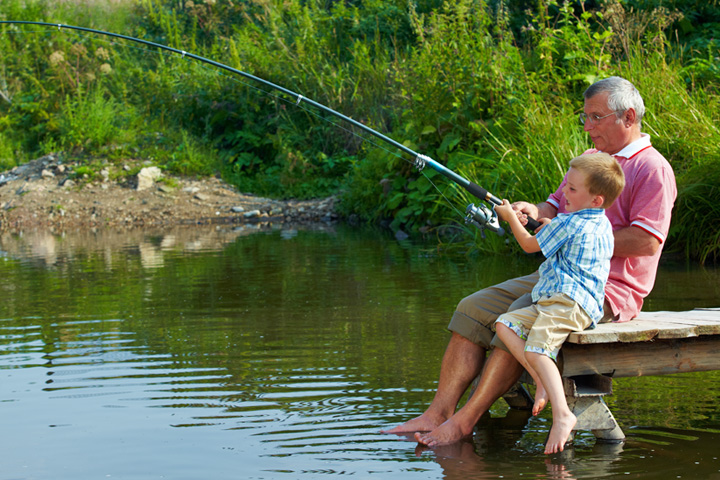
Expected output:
(52, 248)
(221, 352)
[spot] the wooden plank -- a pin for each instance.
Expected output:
(653, 325)
(701, 327)
(634, 331)
(658, 357)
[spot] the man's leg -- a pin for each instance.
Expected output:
(461, 363)
(465, 355)
(501, 372)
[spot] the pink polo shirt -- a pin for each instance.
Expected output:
(646, 202)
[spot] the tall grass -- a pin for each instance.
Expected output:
(490, 88)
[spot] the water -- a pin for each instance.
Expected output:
(279, 354)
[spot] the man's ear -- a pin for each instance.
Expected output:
(629, 117)
(597, 201)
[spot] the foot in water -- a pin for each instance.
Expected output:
(424, 423)
(446, 434)
(559, 433)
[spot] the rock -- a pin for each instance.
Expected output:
(147, 177)
(47, 173)
(400, 236)
(237, 209)
(252, 214)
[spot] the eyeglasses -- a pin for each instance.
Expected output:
(593, 118)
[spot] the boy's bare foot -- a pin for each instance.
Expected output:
(426, 422)
(447, 433)
(559, 433)
(541, 400)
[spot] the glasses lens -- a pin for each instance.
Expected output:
(582, 117)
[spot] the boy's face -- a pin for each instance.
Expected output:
(577, 195)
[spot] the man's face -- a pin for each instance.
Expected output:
(607, 134)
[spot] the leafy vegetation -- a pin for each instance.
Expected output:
(487, 87)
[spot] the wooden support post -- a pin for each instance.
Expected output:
(584, 395)
(518, 397)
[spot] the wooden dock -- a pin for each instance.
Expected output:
(655, 343)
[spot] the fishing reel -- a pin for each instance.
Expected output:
(483, 218)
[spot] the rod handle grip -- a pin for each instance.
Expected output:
(532, 224)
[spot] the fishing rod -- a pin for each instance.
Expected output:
(479, 215)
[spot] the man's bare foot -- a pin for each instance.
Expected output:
(541, 399)
(447, 433)
(559, 433)
(426, 422)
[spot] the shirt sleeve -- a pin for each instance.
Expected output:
(552, 237)
(653, 199)
(555, 198)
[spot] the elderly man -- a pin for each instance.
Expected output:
(640, 219)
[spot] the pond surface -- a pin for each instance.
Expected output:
(244, 353)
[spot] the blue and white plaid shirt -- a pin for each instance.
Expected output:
(578, 247)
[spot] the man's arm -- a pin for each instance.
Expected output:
(635, 242)
(545, 210)
(629, 241)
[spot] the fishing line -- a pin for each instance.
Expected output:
(480, 215)
(299, 105)
(267, 93)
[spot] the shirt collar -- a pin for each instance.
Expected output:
(586, 212)
(632, 149)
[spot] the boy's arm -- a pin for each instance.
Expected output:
(527, 242)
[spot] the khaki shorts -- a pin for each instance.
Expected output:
(476, 314)
(546, 324)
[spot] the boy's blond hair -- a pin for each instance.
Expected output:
(603, 173)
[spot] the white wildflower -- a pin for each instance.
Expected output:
(78, 49)
(56, 58)
(102, 54)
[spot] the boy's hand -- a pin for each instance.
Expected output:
(543, 221)
(504, 211)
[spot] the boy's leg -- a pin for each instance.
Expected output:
(558, 316)
(513, 329)
(563, 419)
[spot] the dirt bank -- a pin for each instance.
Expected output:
(46, 193)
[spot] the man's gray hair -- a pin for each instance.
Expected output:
(622, 95)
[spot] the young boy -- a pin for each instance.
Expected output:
(570, 294)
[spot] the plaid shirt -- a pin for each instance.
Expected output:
(578, 247)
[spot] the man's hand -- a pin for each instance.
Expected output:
(523, 210)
